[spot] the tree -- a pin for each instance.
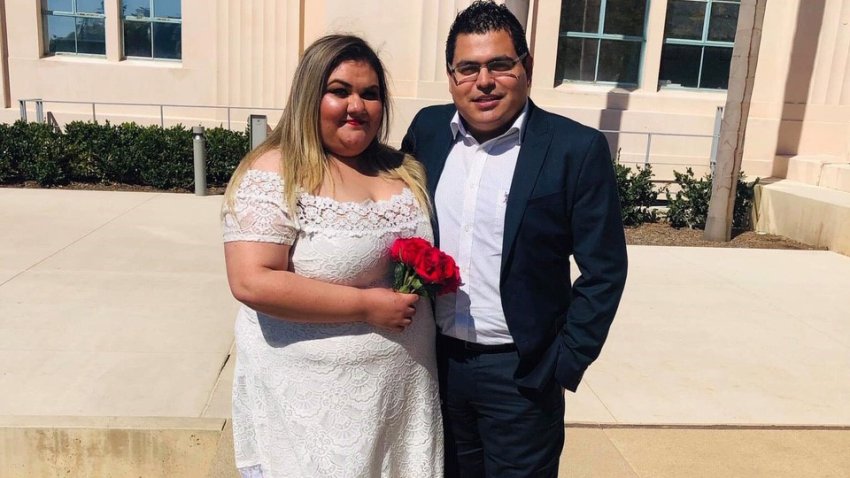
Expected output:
(745, 53)
(520, 10)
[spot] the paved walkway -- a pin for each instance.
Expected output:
(116, 304)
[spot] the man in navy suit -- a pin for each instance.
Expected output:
(517, 191)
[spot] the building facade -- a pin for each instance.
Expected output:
(653, 72)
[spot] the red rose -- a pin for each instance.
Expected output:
(408, 250)
(422, 268)
(428, 265)
(451, 276)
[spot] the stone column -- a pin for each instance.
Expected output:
(114, 41)
(5, 94)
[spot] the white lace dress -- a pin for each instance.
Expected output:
(333, 400)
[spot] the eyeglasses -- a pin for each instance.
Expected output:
(468, 72)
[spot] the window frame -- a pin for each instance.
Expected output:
(703, 43)
(599, 36)
(150, 20)
(74, 14)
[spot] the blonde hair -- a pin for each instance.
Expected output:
(303, 162)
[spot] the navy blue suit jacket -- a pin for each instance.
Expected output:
(563, 202)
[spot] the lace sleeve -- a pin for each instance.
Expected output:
(258, 213)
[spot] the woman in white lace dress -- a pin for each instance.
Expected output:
(335, 372)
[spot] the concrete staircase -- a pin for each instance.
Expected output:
(191, 447)
(811, 204)
(830, 172)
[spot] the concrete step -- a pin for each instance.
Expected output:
(705, 453)
(826, 171)
(114, 446)
(190, 448)
(836, 176)
(810, 214)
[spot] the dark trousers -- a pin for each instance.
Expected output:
(493, 428)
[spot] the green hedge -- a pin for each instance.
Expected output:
(128, 153)
(34, 152)
(637, 194)
(688, 207)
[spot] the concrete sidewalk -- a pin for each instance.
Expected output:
(115, 304)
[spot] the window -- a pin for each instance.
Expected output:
(698, 40)
(601, 41)
(152, 29)
(73, 26)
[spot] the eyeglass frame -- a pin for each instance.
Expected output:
(496, 74)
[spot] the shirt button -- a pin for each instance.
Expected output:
(467, 227)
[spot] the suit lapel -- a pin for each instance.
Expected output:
(442, 145)
(532, 154)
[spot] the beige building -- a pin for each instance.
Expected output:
(653, 72)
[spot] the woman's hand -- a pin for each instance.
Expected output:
(258, 277)
(388, 309)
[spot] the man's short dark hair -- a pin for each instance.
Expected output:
(485, 16)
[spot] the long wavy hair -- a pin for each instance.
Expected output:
(303, 161)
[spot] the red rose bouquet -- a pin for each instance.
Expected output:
(421, 268)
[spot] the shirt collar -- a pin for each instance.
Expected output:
(517, 128)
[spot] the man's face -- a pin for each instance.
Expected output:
(489, 104)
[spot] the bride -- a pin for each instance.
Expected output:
(335, 372)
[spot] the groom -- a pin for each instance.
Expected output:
(517, 191)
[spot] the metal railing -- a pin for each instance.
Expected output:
(39, 108)
(39, 112)
(715, 140)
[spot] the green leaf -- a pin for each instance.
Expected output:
(415, 283)
(398, 276)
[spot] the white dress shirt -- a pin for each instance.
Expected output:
(470, 200)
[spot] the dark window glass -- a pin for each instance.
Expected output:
(625, 17)
(577, 59)
(687, 59)
(580, 16)
(147, 33)
(90, 6)
(74, 26)
(589, 53)
(166, 8)
(59, 5)
(91, 36)
(619, 61)
(685, 19)
(136, 8)
(166, 40)
(715, 68)
(137, 39)
(60, 34)
(680, 65)
(724, 22)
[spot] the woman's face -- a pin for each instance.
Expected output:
(351, 110)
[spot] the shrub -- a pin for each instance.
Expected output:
(744, 202)
(225, 149)
(32, 151)
(126, 153)
(91, 146)
(121, 166)
(688, 207)
(151, 156)
(636, 194)
(167, 157)
(49, 167)
(8, 155)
